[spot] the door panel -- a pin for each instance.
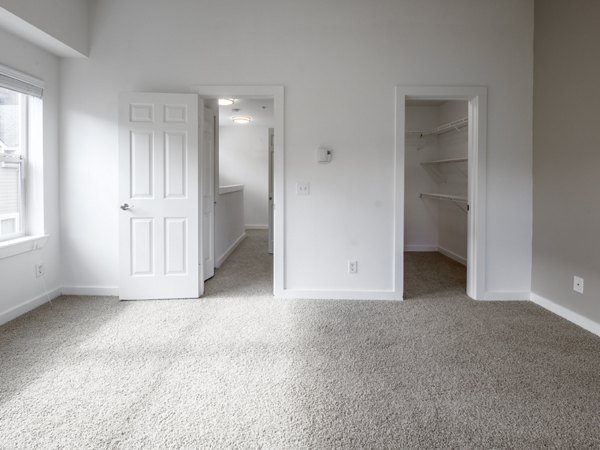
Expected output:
(141, 113)
(159, 196)
(175, 165)
(142, 162)
(175, 113)
(176, 245)
(142, 246)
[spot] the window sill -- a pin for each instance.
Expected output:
(22, 245)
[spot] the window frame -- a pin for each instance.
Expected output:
(28, 88)
(21, 161)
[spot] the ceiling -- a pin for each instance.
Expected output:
(261, 111)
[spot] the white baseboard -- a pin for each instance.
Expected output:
(420, 248)
(229, 251)
(565, 313)
(455, 256)
(256, 227)
(435, 248)
(100, 291)
(28, 305)
(506, 296)
(338, 295)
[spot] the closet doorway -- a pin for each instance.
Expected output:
(440, 173)
(435, 198)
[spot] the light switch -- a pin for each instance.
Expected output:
(324, 154)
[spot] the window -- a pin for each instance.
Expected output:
(20, 139)
(13, 154)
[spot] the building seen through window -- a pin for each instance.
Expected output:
(13, 151)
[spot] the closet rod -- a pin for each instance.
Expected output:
(458, 201)
(444, 161)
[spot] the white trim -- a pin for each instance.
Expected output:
(565, 313)
(100, 291)
(256, 227)
(231, 188)
(506, 296)
(340, 295)
(229, 251)
(454, 256)
(420, 248)
(277, 93)
(435, 248)
(28, 305)
(476, 243)
(22, 245)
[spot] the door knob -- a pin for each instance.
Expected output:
(125, 206)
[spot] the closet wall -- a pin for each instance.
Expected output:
(430, 224)
(452, 223)
(420, 217)
(244, 159)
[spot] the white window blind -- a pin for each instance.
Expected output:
(25, 84)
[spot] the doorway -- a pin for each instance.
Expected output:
(243, 171)
(435, 204)
(247, 171)
(469, 199)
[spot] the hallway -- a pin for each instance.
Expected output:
(248, 272)
(431, 274)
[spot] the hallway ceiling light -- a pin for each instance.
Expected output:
(241, 119)
(226, 101)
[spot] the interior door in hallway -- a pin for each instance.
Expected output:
(271, 187)
(208, 133)
(159, 201)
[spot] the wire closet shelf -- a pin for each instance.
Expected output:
(455, 125)
(461, 202)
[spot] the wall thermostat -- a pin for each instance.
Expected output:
(324, 154)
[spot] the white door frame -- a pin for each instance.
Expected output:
(271, 187)
(277, 94)
(207, 152)
(477, 151)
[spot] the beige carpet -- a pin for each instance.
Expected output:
(238, 369)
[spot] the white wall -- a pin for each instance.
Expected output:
(567, 159)
(60, 22)
(421, 216)
(453, 226)
(244, 159)
(19, 288)
(339, 65)
(229, 223)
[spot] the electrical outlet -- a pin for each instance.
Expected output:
(39, 270)
(303, 188)
(578, 284)
(352, 266)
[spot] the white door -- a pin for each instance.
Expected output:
(208, 191)
(159, 197)
(271, 160)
